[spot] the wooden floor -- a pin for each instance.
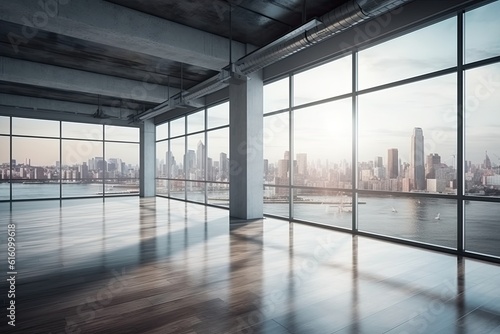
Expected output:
(133, 265)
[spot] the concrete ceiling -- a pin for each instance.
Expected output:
(131, 55)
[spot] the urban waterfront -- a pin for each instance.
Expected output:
(51, 190)
(422, 219)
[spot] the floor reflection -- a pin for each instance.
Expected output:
(190, 268)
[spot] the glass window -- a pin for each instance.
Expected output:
(323, 145)
(35, 127)
(194, 160)
(175, 158)
(276, 149)
(162, 158)
(162, 187)
(276, 95)
(218, 155)
(35, 168)
(162, 131)
(177, 189)
(428, 220)
(4, 125)
(196, 121)
(277, 201)
(481, 41)
(328, 207)
(195, 191)
(218, 115)
(423, 51)
(407, 137)
(121, 161)
(82, 161)
(178, 127)
(4, 168)
(82, 130)
(218, 194)
(482, 232)
(121, 133)
(321, 82)
(482, 131)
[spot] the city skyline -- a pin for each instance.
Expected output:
(425, 172)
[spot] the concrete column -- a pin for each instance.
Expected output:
(246, 148)
(147, 159)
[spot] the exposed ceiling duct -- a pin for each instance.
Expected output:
(328, 25)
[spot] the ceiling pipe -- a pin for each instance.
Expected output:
(341, 18)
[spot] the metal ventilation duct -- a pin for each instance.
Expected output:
(332, 23)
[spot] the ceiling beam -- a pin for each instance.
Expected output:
(15, 71)
(109, 24)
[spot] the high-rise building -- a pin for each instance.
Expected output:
(487, 161)
(417, 168)
(433, 162)
(302, 163)
(378, 162)
(392, 163)
(200, 156)
(224, 166)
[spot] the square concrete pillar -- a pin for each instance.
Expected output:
(246, 148)
(147, 159)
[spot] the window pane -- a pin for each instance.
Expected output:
(82, 189)
(177, 189)
(196, 191)
(482, 131)
(480, 40)
(81, 168)
(162, 158)
(218, 115)
(323, 145)
(428, 220)
(423, 51)
(122, 161)
(175, 158)
(4, 168)
(482, 227)
(196, 122)
(276, 95)
(194, 159)
(323, 206)
(82, 130)
(36, 166)
(277, 201)
(4, 125)
(218, 194)
(178, 127)
(162, 131)
(162, 187)
(121, 133)
(34, 127)
(276, 149)
(218, 155)
(407, 137)
(323, 81)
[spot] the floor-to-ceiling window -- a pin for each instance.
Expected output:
(399, 139)
(45, 159)
(192, 156)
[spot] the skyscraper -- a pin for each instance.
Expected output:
(433, 162)
(417, 167)
(392, 163)
(302, 163)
